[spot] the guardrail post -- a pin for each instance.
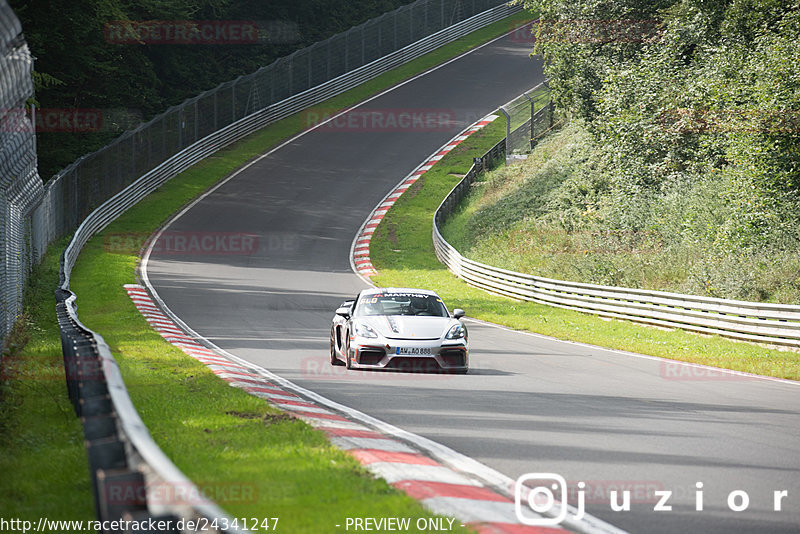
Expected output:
(104, 454)
(99, 426)
(120, 491)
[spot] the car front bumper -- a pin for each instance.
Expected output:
(409, 354)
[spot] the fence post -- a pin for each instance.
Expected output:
(347, 49)
(310, 69)
(411, 22)
(530, 141)
(74, 216)
(329, 60)
(233, 100)
(508, 127)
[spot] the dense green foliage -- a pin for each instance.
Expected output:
(78, 68)
(402, 251)
(692, 119)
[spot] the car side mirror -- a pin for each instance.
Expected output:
(458, 313)
(344, 311)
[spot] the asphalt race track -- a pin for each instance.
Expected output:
(529, 404)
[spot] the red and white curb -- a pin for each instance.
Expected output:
(360, 256)
(439, 488)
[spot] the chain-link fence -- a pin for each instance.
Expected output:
(97, 176)
(527, 117)
(31, 216)
(525, 125)
(20, 185)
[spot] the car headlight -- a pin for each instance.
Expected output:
(363, 330)
(457, 331)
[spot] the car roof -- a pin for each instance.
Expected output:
(390, 290)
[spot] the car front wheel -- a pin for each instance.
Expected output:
(347, 350)
(334, 359)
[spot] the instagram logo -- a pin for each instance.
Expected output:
(540, 493)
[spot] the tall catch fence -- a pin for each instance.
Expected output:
(32, 216)
(99, 187)
(527, 117)
(20, 186)
(96, 177)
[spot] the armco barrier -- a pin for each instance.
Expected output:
(775, 324)
(124, 461)
(121, 450)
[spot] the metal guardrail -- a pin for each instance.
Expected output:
(121, 450)
(125, 464)
(32, 215)
(775, 324)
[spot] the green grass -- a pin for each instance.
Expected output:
(544, 216)
(402, 252)
(216, 434)
(43, 459)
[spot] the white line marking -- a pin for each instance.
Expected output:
(636, 355)
(444, 454)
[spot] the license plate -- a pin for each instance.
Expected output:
(414, 351)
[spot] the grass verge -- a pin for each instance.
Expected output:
(262, 463)
(402, 252)
(43, 460)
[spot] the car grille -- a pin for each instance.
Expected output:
(370, 355)
(454, 357)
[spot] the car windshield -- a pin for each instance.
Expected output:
(401, 304)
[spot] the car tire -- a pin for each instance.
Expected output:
(347, 350)
(334, 359)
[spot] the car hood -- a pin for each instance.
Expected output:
(409, 326)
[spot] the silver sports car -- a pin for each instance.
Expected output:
(398, 328)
